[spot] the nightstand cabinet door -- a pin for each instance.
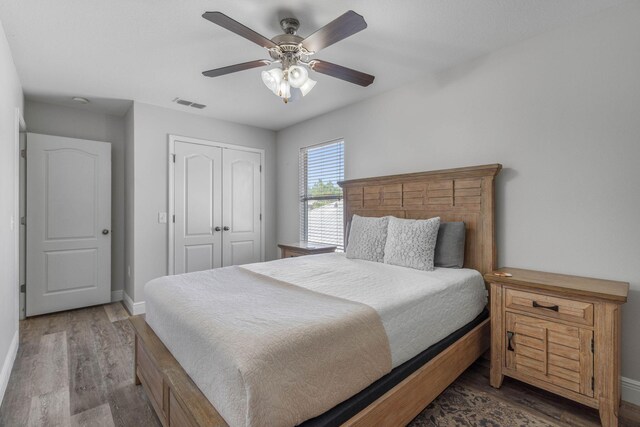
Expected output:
(550, 352)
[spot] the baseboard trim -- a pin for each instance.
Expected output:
(133, 308)
(630, 391)
(7, 366)
(117, 295)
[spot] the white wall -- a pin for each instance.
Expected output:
(10, 99)
(561, 112)
(50, 119)
(152, 125)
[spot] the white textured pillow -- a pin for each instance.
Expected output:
(367, 237)
(411, 242)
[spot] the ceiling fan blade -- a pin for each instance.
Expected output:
(336, 30)
(237, 67)
(340, 72)
(234, 26)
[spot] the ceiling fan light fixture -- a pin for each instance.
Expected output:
(298, 75)
(293, 54)
(272, 79)
(307, 86)
(284, 91)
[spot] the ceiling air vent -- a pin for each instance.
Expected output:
(189, 103)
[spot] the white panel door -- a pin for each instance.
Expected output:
(198, 210)
(241, 238)
(68, 223)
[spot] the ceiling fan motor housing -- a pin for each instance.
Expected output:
(289, 49)
(290, 25)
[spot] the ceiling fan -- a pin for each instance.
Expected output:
(294, 53)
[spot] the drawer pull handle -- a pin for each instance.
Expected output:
(510, 336)
(548, 307)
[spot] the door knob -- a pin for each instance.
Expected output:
(217, 229)
(105, 231)
(225, 228)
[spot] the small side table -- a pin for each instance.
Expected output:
(560, 333)
(289, 250)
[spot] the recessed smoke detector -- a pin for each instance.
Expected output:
(80, 100)
(189, 103)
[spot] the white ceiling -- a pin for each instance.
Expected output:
(115, 51)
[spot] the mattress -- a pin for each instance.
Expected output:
(197, 317)
(344, 411)
(417, 308)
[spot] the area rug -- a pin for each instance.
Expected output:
(465, 406)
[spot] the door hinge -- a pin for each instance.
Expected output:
(260, 217)
(23, 220)
(593, 345)
(261, 168)
(593, 383)
(23, 288)
(174, 158)
(23, 153)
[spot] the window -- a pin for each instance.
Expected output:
(321, 167)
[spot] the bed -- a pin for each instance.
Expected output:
(353, 381)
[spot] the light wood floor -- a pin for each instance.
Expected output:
(75, 369)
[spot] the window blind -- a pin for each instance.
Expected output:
(321, 202)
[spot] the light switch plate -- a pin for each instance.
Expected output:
(162, 217)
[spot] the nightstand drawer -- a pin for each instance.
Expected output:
(550, 306)
(550, 352)
(288, 253)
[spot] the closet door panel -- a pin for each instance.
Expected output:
(241, 240)
(198, 207)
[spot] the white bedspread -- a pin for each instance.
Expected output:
(417, 308)
(264, 351)
(198, 318)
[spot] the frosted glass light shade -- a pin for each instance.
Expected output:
(284, 91)
(298, 75)
(307, 86)
(272, 79)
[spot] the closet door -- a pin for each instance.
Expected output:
(241, 218)
(198, 207)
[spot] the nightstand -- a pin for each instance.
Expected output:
(560, 333)
(304, 248)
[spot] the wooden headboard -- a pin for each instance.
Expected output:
(462, 194)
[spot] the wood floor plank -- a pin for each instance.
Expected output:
(86, 386)
(30, 332)
(130, 406)
(100, 416)
(17, 399)
(114, 358)
(51, 370)
(50, 409)
(116, 311)
(124, 331)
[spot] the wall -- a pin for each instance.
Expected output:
(559, 111)
(152, 125)
(10, 99)
(69, 122)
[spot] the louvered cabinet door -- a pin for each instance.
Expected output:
(551, 352)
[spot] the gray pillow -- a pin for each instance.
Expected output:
(367, 237)
(411, 242)
(450, 245)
